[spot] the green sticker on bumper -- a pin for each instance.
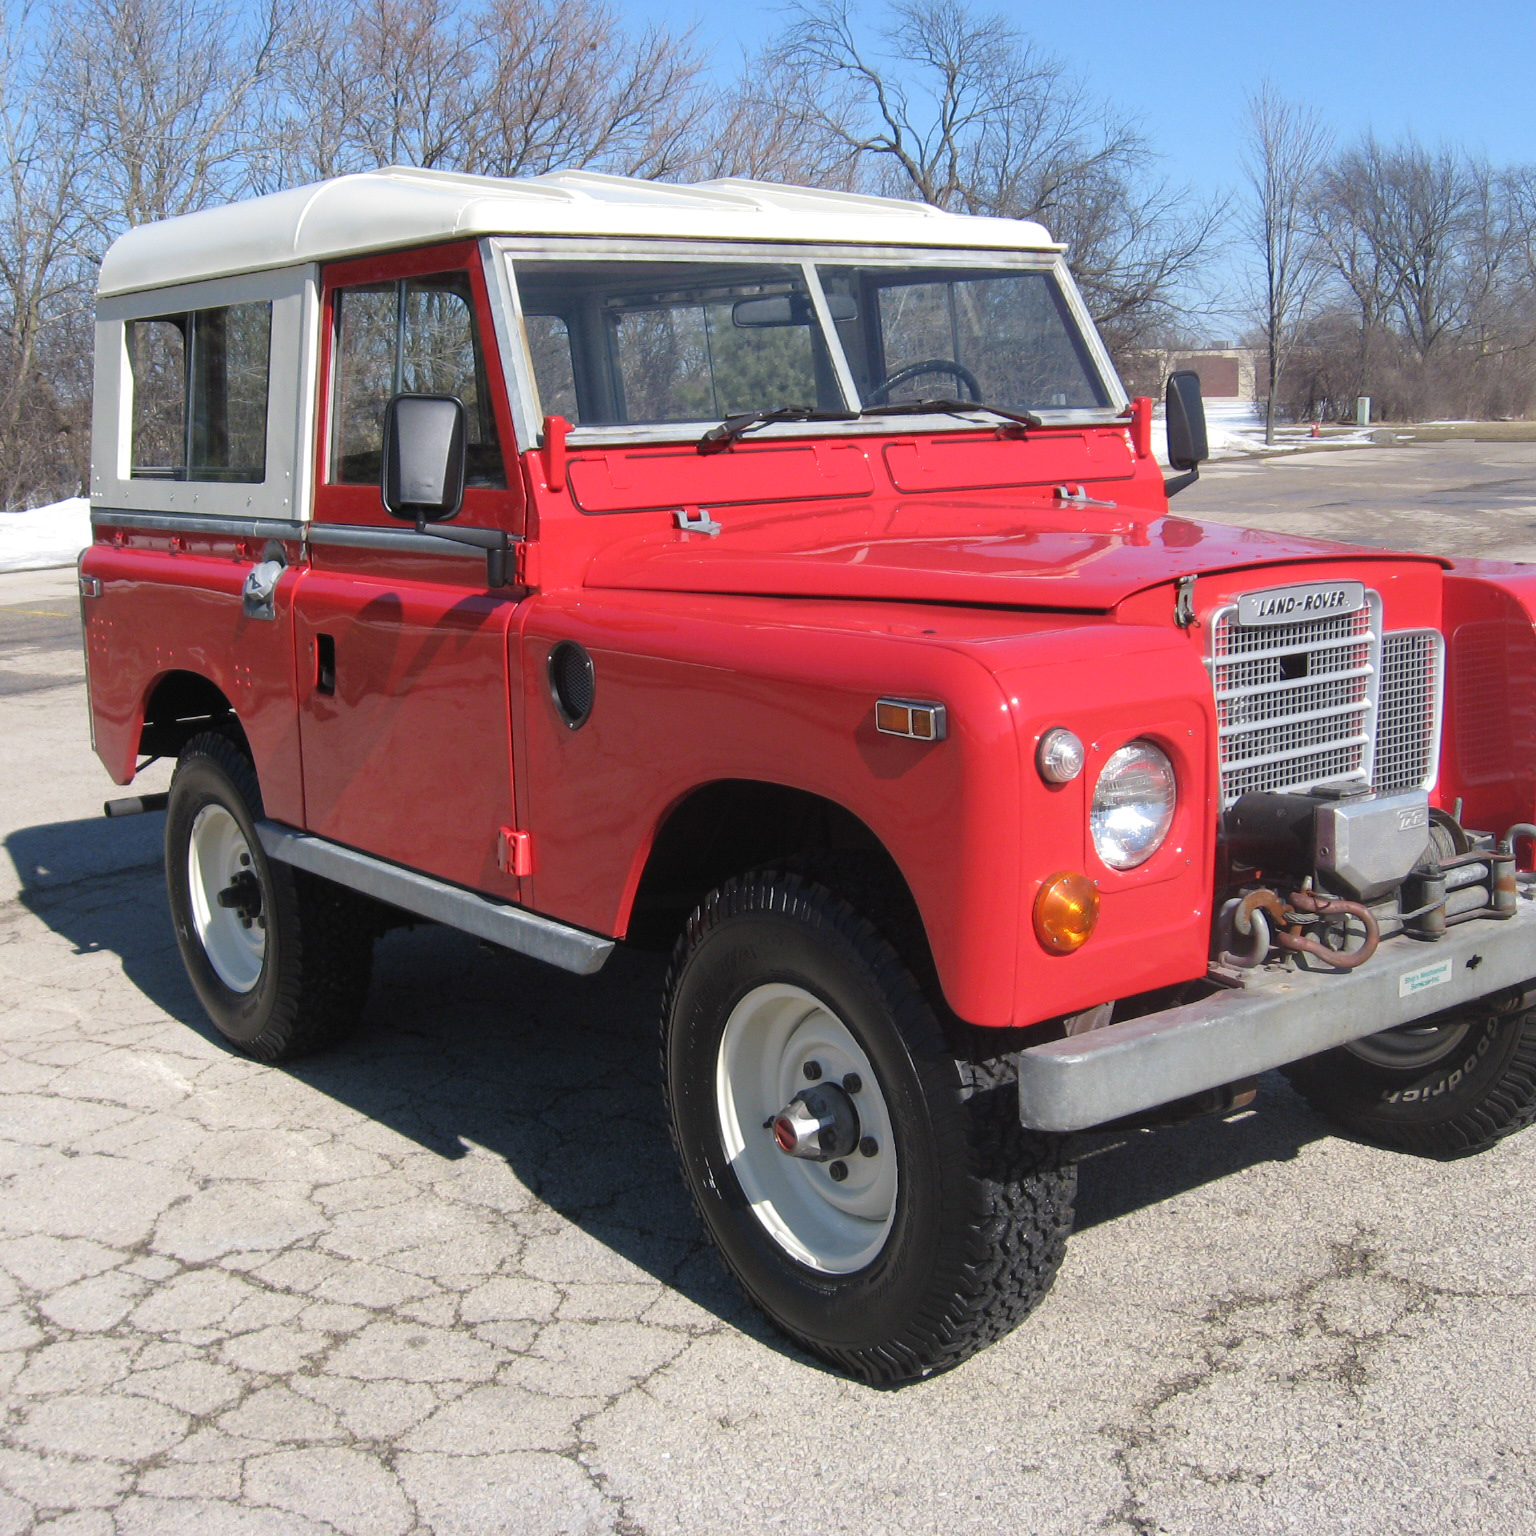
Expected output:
(1424, 978)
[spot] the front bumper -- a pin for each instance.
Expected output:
(1282, 1015)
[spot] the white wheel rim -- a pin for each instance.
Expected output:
(217, 853)
(833, 1226)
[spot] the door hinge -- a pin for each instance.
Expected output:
(514, 852)
(526, 564)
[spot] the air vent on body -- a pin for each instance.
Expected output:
(572, 683)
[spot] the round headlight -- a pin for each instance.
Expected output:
(1133, 805)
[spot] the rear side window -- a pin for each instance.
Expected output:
(200, 385)
(415, 335)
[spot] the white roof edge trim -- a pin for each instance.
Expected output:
(402, 206)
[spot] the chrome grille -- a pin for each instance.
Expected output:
(1328, 698)
(1295, 703)
(1408, 710)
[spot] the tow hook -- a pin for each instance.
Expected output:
(819, 1123)
(1264, 913)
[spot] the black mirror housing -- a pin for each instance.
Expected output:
(1187, 442)
(1188, 445)
(424, 458)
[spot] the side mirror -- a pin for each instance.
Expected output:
(423, 479)
(1187, 443)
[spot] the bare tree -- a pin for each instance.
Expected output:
(166, 96)
(44, 278)
(567, 86)
(384, 82)
(962, 111)
(763, 127)
(1285, 148)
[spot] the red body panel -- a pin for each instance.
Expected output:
(1488, 758)
(410, 757)
(983, 549)
(163, 610)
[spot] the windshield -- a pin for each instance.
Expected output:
(918, 333)
(617, 343)
(656, 342)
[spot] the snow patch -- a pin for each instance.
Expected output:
(45, 536)
(1235, 430)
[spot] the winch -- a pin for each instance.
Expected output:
(1332, 871)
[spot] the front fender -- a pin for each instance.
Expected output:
(688, 693)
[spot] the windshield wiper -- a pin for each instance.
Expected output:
(951, 407)
(718, 439)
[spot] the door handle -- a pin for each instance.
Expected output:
(261, 581)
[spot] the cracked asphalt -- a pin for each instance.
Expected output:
(445, 1280)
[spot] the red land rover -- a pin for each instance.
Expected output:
(785, 578)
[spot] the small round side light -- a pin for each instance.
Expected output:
(1066, 912)
(1060, 756)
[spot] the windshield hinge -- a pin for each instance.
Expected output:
(698, 521)
(1184, 603)
(1077, 496)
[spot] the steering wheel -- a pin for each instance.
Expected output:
(963, 375)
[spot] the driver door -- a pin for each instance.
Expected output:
(402, 646)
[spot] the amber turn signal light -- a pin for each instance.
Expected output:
(1066, 911)
(911, 717)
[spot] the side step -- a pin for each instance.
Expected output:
(572, 949)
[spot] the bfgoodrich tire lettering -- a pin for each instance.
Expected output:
(280, 960)
(1480, 1088)
(981, 1208)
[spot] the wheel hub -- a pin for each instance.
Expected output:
(819, 1123)
(242, 896)
(789, 1073)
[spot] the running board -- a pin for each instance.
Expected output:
(572, 949)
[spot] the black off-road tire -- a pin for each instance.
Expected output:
(1480, 1088)
(982, 1207)
(315, 971)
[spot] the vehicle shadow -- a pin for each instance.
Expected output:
(99, 884)
(469, 1045)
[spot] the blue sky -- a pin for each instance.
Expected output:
(1457, 70)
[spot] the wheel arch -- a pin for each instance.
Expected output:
(178, 705)
(728, 826)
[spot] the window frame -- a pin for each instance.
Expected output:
(341, 502)
(191, 367)
(284, 492)
(505, 252)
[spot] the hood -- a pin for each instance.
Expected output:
(995, 554)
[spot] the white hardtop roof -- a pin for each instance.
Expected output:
(401, 206)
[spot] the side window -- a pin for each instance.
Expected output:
(200, 384)
(416, 335)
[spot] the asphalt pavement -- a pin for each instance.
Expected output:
(445, 1280)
